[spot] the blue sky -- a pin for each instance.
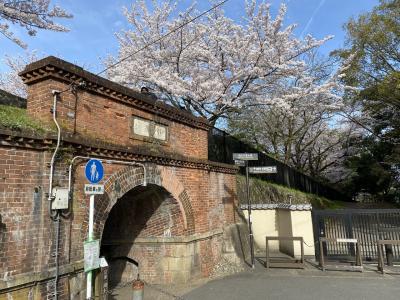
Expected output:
(95, 22)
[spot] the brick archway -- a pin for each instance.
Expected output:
(122, 181)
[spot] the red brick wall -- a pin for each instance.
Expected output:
(211, 204)
(27, 241)
(27, 234)
(201, 200)
(107, 120)
(21, 213)
(144, 212)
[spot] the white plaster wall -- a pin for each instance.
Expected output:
(285, 229)
(264, 224)
(283, 222)
(302, 226)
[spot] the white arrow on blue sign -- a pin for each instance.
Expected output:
(94, 171)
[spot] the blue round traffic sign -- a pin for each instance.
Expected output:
(94, 171)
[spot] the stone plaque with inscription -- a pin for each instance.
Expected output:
(160, 132)
(150, 129)
(141, 127)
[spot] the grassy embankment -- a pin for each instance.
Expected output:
(267, 192)
(15, 118)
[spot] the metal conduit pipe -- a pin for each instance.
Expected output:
(56, 257)
(52, 214)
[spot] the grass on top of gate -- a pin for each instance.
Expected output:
(16, 118)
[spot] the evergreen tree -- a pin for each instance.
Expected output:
(374, 41)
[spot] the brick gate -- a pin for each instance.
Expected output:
(174, 227)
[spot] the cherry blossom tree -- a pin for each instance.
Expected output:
(215, 65)
(308, 133)
(9, 80)
(31, 15)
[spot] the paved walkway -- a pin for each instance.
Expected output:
(299, 285)
(307, 284)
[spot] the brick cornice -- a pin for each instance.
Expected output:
(53, 67)
(30, 140)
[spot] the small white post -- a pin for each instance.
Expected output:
(90, 238)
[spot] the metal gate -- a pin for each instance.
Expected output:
(365, 225)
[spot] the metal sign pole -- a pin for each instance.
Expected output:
(94, 173)
(246, 157)
(90, 238)
(249, 213)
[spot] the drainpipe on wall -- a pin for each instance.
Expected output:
(56, 256)
(54, 215)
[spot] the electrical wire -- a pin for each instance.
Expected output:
(163, 36)
(156, 40)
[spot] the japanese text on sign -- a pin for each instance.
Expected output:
(245, 156)
(91, 255)
(263, 170)
(240, 163)
(94, 189)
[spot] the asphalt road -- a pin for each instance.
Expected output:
(299, 285)
(285, 284)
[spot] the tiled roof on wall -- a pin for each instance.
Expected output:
(287, 206)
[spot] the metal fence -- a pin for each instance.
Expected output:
(366, 225)
(221, 147)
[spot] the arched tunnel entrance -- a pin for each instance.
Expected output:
(131, 236)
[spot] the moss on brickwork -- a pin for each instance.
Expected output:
(267, 192)
(16, 118)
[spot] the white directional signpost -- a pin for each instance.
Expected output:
(241, 159)
(240, 163)
(94, 173)
(263, 170)
(245, 157)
